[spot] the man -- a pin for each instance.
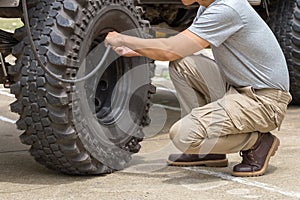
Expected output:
(230, 104)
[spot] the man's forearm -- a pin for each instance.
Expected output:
(165, 49)
(156, 49)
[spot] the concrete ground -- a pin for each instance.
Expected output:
(148, 176)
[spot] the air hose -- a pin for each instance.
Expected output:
(50, 73)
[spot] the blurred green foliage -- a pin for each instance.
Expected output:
(10, 24)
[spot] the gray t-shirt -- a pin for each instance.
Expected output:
(244, 47)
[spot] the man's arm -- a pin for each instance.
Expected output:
(125, 51)
(164, 49)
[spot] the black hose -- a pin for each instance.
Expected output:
(53, 75)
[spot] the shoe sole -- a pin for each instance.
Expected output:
(207, 163)
(261, 172)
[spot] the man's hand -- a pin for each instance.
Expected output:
(114, 39)
(125, 51)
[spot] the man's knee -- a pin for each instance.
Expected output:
(174, 68)
(175, 63)
(190, 64)
(176, 137)
(181, 63)
(177, 67)
(174, 131)
(186, 135)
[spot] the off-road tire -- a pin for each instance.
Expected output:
(54, 114)
(285, 23)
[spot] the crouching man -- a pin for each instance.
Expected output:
(229, 104)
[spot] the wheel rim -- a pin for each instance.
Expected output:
(110, 93)
(104, 101)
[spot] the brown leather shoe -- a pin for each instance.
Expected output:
(255, 160)
(209, 160)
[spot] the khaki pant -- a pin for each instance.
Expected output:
(218, 118)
